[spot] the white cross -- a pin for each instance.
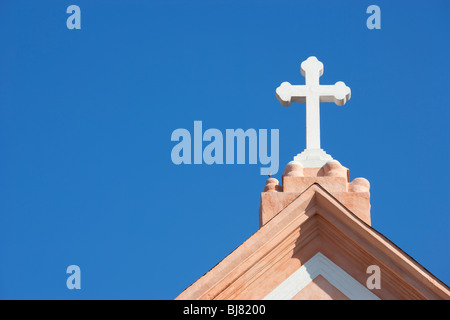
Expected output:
(312, 93)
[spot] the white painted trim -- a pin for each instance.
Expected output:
(320, 265)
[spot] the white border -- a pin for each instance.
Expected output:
(320, 265)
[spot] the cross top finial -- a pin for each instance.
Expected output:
(310, 66)
(312, 93)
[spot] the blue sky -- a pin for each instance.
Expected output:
(86, 118)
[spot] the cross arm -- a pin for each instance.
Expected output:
(287, 93)
(338, 93)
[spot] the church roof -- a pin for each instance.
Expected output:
(316, 248)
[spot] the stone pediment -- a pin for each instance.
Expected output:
(316, 226)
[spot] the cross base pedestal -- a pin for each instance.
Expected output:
(313, 158)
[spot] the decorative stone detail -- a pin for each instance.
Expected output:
(335, 169)
(272, 185)
(332, 176)
(293, 169)
(359, 185)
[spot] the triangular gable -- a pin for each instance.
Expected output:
(315, 222)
